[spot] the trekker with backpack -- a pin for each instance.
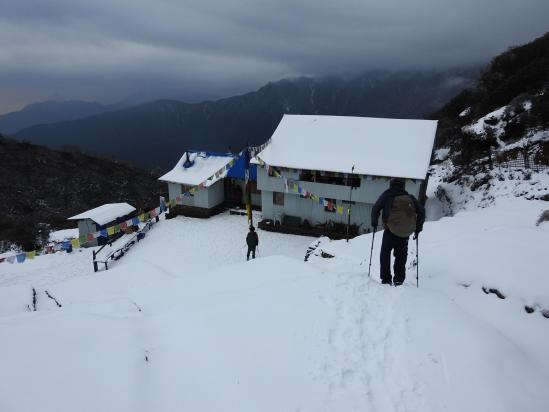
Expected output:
(252, 240)
(402, 215)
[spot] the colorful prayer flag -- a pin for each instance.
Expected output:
(116, 228)
(142, 216)
(123, 226)
(90, 236)
(11, 259)
(103, 232)
(21, 257)
(31, 254)
(110, 230)
(135, 221)
(340, 210)
(82, 239)
(75, 243)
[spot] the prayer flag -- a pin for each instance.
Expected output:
(82, 239)
(142, 217)
(90, 236)
(110, 230)
(135, 221)
(116, 228)
(75, 243)
(103, 232)
(123, 226)
(21, 257)
(11, 259)
(31, 254)
(2, 260)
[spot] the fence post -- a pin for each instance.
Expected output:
(526, 159)
(95, 269)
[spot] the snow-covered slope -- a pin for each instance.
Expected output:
(183, 323)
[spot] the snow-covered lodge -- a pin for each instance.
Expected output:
(99, 218)
(310, 173)
(215, 180)
(312, 162)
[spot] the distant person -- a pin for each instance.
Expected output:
(402, 215)
(252, 240)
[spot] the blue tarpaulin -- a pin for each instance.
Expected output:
(238, 171)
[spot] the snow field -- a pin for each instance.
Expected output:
(182, 322)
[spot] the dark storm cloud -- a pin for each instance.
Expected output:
(106, 50)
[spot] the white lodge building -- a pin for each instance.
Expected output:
(307, 171)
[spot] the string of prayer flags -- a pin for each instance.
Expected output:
(31, 254)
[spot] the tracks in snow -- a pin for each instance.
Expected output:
(368, 367)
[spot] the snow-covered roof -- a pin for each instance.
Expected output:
(375, 146)
(205, 165)
(105, 213)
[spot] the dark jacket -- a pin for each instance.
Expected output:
(385, 203)
(252, 239)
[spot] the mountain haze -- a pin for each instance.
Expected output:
(154, 134)
(48, 112)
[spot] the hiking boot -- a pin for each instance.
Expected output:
(397, 283)
(386, 282)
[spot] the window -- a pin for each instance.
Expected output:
(331, 206)
(278, 198)
(307, 176)
(330, 178)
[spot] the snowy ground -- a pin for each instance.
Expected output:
(182, 322)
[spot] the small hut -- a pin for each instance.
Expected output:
(100, 218)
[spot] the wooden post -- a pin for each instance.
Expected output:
(350, 197)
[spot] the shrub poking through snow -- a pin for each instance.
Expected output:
(544, 217)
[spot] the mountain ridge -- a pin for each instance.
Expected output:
(171, 126)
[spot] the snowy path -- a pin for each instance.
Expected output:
(183, 323)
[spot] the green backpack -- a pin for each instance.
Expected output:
(402, 219)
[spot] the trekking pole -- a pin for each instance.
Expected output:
(417, 260)
(371, 252)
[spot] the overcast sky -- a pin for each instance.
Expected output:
(107, 50)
